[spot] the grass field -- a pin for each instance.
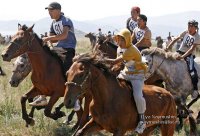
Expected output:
(11, 123)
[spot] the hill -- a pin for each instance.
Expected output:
(159, 25)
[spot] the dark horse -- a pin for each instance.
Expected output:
(108, 48)
(112, 107)
(159, 41)
(47, 73)
(92, 38)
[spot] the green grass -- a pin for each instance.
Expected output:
(11, 122)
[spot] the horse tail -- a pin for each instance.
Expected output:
(169, 125)
(2, 73)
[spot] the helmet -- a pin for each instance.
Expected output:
(193, 23)
(136, 9)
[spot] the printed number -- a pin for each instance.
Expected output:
(139, 35)
(57, 29)
(133, 25)
(189, 41)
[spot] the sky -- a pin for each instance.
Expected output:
(80, 10)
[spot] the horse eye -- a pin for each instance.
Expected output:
(82, 68)
(22, 65)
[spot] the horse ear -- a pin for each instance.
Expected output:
(19, 26)
(30, 29)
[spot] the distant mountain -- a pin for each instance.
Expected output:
(160, 25)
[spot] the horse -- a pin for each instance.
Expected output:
(92, 38)
(174, 73)
(22, 68)
(109, 49)
(42, 61)
(112, 107)
(159, 42)
(2, 39)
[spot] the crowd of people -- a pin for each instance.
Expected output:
(131, 40)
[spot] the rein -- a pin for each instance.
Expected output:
(151, 65)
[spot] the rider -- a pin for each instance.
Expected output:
(61, 30)
(131, 22)
(191, 39)
(134, 72)
(141, 35)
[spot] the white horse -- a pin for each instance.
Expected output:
(173, 72)
(22, 67)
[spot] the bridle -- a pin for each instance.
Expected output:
(151, 65)
(28, 42)
(82, 85)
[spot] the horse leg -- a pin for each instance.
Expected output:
(32, 93)
(85, 115)
(90, 127)
(47, 112)
(33, 108)
(70, 116)
(198, 118)
(79, 115)
(168, 129)
(193, 127)
(119, 133)
(192, 102)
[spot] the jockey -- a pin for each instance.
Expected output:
(191, 39)
(61, 31)
(141, 35)
(131, 22)
(134, 72)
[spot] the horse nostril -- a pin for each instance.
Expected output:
(11, 82)
(4, 55)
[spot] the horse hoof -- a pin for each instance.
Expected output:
(32, 123)
(66, 122)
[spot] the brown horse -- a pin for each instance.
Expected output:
(47, 73)
(112, 107)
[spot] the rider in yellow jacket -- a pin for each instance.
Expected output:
(133, 71)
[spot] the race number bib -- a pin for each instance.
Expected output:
(58, 27)
(188, 40)
(132, 24)
(139, 34)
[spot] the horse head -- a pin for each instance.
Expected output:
(22, 68)
(77, 82)
(19, 43)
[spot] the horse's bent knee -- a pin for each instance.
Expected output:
(23, 99)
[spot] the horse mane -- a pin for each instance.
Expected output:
(97, 59)
(160, 52)
(48, 51)
(114, 46)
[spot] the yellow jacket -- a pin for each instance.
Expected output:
(131, 56)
